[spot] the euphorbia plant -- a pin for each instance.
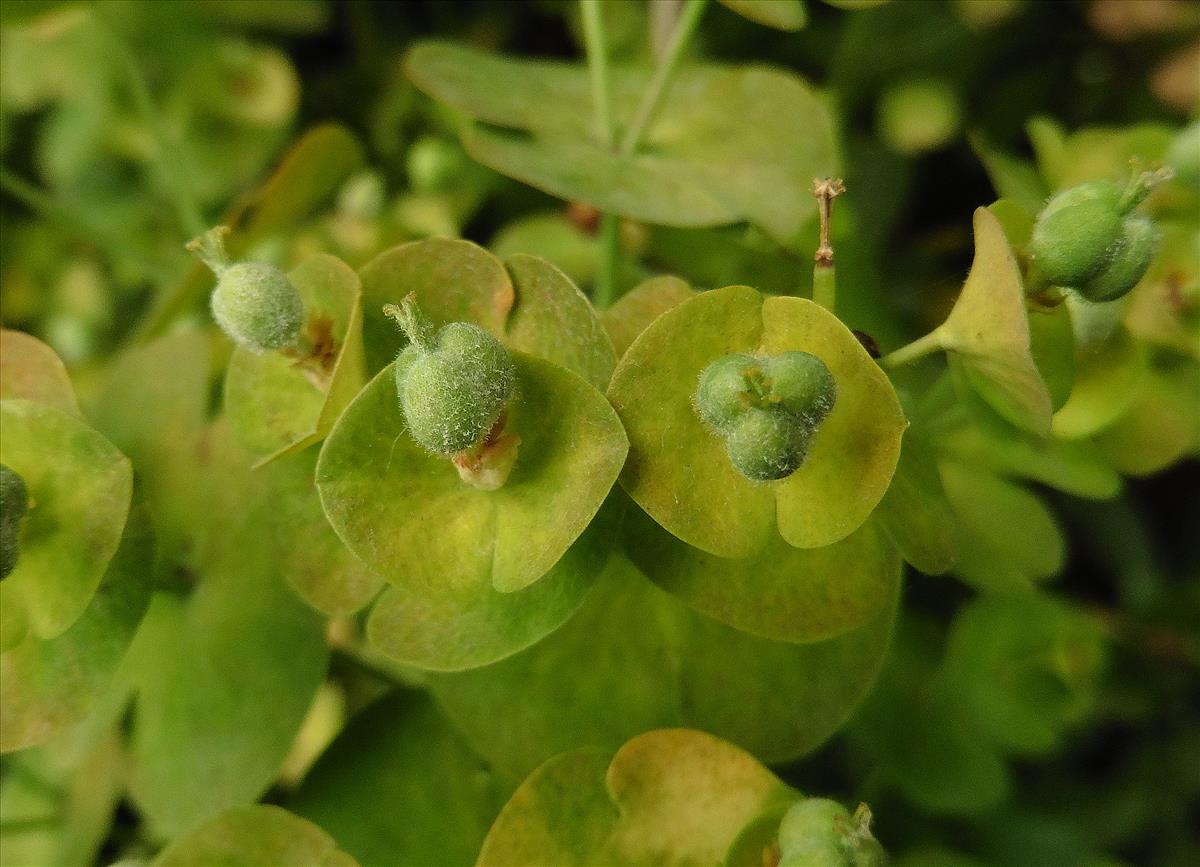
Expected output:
(434, 519)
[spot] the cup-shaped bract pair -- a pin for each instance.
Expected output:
(767, 409)
(253, 302)
(818, 832)
(14, 500)
(764, 374)
(1087, 238)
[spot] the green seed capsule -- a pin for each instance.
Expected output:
(14, 500)
(725, 390)
(801, 385)
(765, 445)
(253, 302)
(1076, 232)
(1129, 264)
(817, 832)
(453, 384)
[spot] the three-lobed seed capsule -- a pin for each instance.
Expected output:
(767, 409)
(1087, 238)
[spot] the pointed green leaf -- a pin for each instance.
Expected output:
(729, 144)
(48, 686)
(635, 658)
(668, 797)
(79, 489)
(254, 836)
(30, 370)
(400, 787)
(278, 404)
(678, 470)
(987, 333)
(783, 593)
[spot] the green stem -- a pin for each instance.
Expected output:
(824, 290)
(606, 273)
(657, 89)
(919, 348)
(169, 158)
(596, 40)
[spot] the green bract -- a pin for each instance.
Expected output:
(253, 302)
(79, 488)
(14, 500)
(680, 473)
(453, 384)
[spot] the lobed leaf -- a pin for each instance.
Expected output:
(634, 658)
(678, 471)
(729, 145)
(451, 551)
(668, 797)
(79, 489)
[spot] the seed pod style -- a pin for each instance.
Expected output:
(1076, 232)
(253, 302)
(766, 409)
(1129, 262)
(453, 384)
(14, 500)
(817, 832)
(725, 389)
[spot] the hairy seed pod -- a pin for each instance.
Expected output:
(725, 390)
(1076, 232)
(14, 500)
(765, 445)
(801, 385)
(453, 384)
(253, 302)
(818, 832)
(1129, 262)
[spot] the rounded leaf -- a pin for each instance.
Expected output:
(678, 470)
(79, 489)
(31, 370)
(782, 593)
(253, 836)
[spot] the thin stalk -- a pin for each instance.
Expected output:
(596, 41)
(824, 275)
(665, 71)
(919, 348)
(169, 159)
(824, 289)
(606, 274)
